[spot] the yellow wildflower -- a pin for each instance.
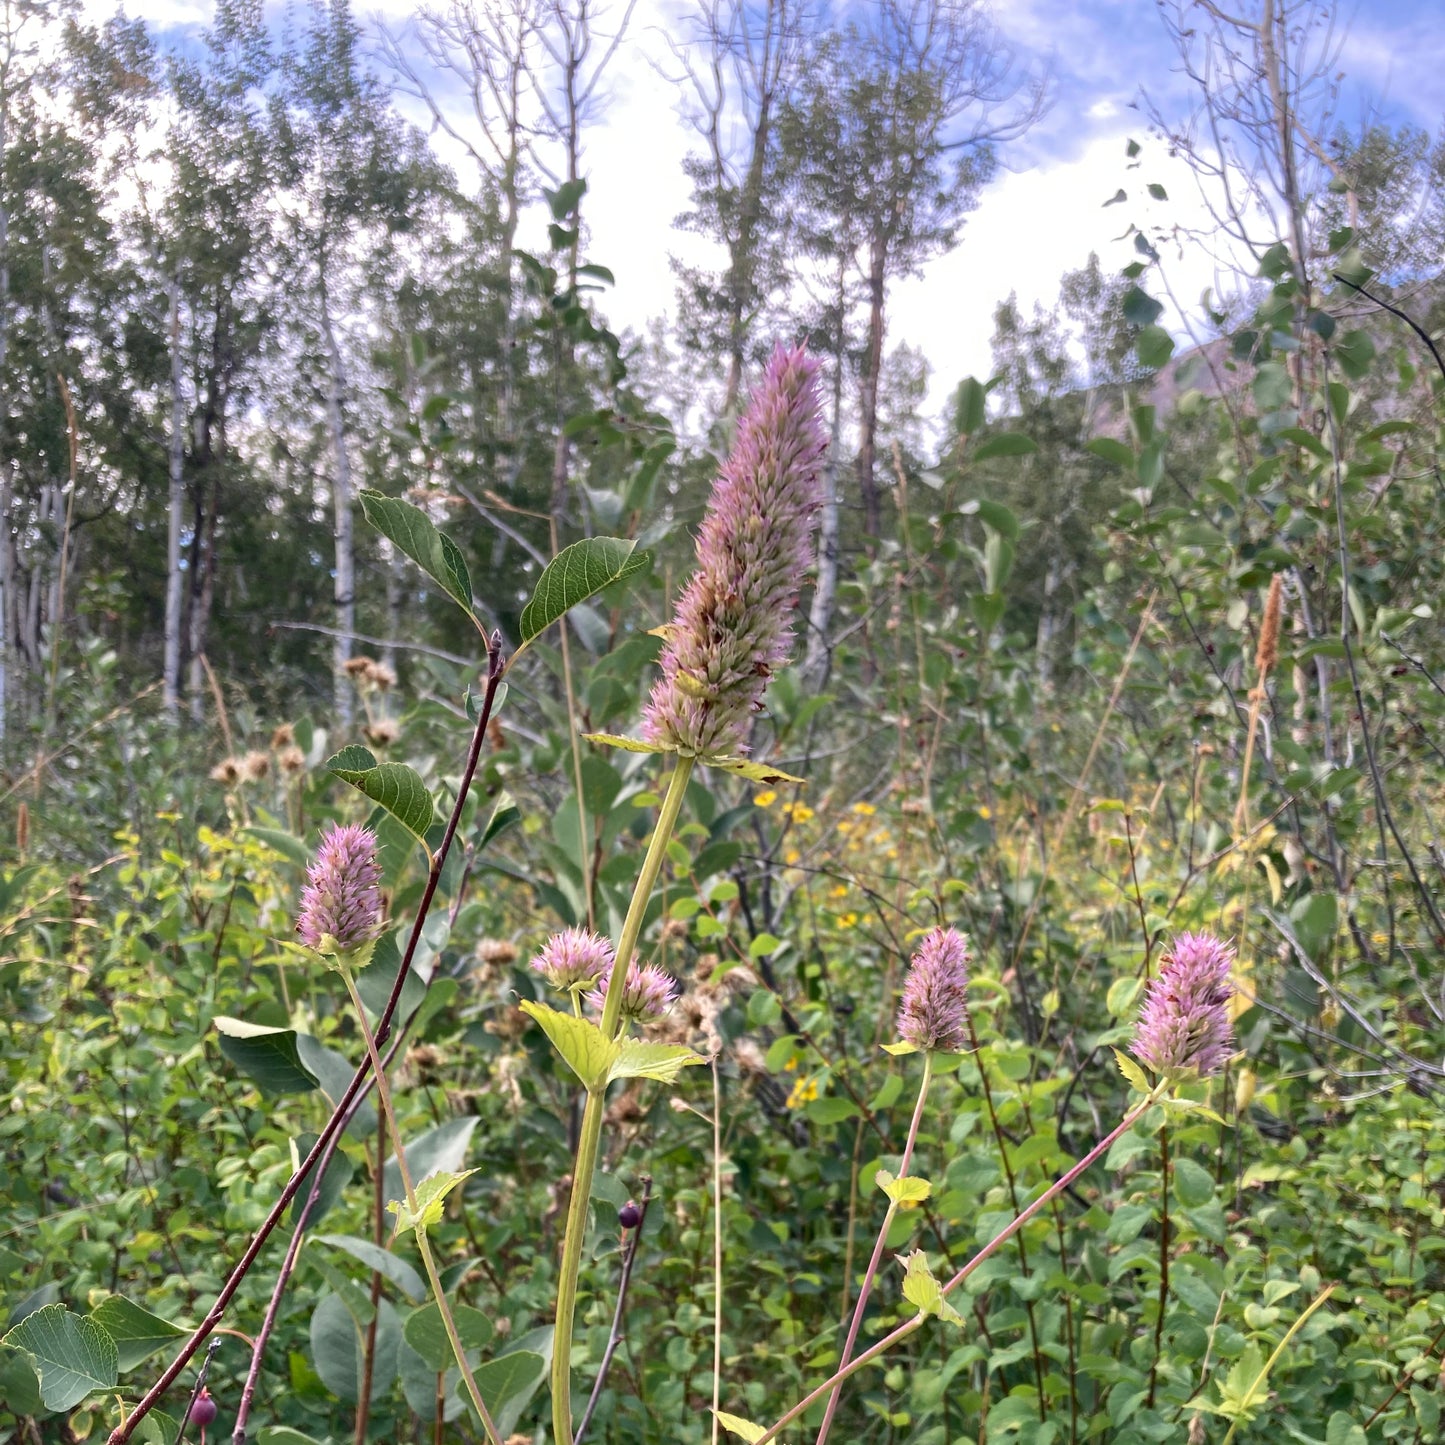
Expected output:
(866, 809)
(804, 1091)
(985, 813)
(766, 798)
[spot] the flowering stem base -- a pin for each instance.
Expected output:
(590, 1135)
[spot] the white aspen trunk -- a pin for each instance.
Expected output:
(7, 574)
(817, 657)
(171, 675)
(345, 546)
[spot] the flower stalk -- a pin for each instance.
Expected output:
(866, 1287)
(590, 1136)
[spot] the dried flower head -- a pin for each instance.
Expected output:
(357, 667)
(255, 766)
(229, 771)
(342, 897)
(1184, 1023)
(283, 738)
(292, 760)
(574, 959)
(497, 951)
(382, 676)
(647, 992)
(732, 624)
(934, 1008)
(383, 732)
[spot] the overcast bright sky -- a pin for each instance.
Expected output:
(1039, 217)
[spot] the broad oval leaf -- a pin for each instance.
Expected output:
(383, 1261)
(1006, 444)
(412, 531)
(425, 1333)
(575, 574)
(337, 1349)
(135, 1331)
(267, 1056)
(72, 1355)
(393, 786)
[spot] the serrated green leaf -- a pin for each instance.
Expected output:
(393, 786)
(134, 1329)
(1138, 1081)
(587, 1050)
(266, 1055)
(910, 1189)
(638, 1059)
(410, 529)
(755, 772)
(72, 1355)
(629, 745)
(431, 1196)
(575, 574)
(922, 1290)
(736, 1425)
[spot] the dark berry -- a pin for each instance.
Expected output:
(204, 1409)
(629, 1216)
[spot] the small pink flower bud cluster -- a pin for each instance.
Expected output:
(574, 959)
(933, 1011)
(732, 625)
(1184, 1023)
(342, 897)
(647, 992)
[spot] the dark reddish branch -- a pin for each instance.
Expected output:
(339, 1114)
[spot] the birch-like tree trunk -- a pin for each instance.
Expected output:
(818, 658)
(171, 674)
(345, 592)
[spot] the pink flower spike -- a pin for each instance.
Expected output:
(933, 1012)
(573, 959)
(647, 992)
(1184, 1023)
(342, 896)
(732, 627)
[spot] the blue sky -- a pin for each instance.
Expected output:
(1041, 215)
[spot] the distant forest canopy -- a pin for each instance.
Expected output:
(237, 287)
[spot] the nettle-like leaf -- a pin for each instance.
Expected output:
(410, 529)
(588, 1051)
(1138, 1080)
(921, 1289)
(638, 1059)
(755, 772)
(629, 745)
(910, 1189)
(736, 1425)
(431, 1196)
(393, 786)
(575, 574)
(72, 1355)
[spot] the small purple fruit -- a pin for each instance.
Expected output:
(204, 1409)
(629, 1216)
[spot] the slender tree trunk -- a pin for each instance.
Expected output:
(341, 501)
(818, 656)
(7, 574)
(868, 408)
(171, 675)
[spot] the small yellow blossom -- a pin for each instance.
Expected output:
(801, 812)
(847, 920)
(841, 891)
(804, 1091)
(792, 856)
(985, 813)
(845, 827)
(866, 809)
(766, 798)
